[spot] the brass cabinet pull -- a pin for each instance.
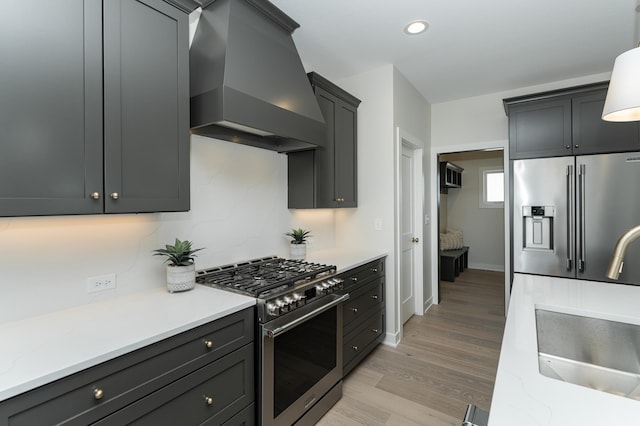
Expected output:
(98, 393)
(355, 310)
(567, 146)
(208, 400)
(354, 279)
(375, 330)
(577, 146)
(355, 348)
(115, 195)
(374, 269)
(374, 296)
(95, 195)
(208, 344)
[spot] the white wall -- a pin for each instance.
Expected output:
(238, 211)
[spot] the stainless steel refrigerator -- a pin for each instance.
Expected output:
(568, 213)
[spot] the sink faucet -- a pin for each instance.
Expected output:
(617, 259)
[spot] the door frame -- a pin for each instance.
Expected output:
(404, 138)
(435, 209)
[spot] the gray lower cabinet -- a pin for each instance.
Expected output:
(326, 177)
(202, 376)
(363, 313)
(94, 107)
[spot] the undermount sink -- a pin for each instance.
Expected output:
(595, 353)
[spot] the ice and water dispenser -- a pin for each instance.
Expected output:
(538, 227)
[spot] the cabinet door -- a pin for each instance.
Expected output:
(345, 149)
(146, 107)
(50, 107)
(540, 128)
(325, 156)
(593, 135)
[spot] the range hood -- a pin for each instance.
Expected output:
(247, 81)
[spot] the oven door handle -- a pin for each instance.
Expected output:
(273, 332)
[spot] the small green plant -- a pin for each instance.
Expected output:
(179, 254)
(298, 236)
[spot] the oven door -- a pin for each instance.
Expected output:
(301, 359)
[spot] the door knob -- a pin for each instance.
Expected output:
(415, 240)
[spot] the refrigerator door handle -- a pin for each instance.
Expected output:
(570, 216)
(581, 208)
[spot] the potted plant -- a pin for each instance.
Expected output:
(298, 247)
(181, 270)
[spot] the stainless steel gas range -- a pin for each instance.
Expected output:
(299, 333)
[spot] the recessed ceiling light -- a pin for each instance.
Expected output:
(416, 27)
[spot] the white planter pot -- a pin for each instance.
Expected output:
(181, 278)
(298, 251)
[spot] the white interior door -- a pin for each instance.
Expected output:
(408, 239)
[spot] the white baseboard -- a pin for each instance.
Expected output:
(486, 267)
(427, 305)
(391, 339)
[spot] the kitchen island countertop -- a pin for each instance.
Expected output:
(524, 397)
(41, 349)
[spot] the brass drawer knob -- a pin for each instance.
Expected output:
(374, 296)
(354, 279)
(375, 330)
(374, 269)
(98, 393)
(115, 195)
(95, 195)
(208, 344)
(355, 310)
(208, 400)
(355, 348)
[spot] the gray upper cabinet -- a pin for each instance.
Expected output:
(326, 177)
(93, 107)
(566, 122)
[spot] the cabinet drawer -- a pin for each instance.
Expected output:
(363, 273)
(214, 393)
(93, 393)
(361, 301)
(362, 339)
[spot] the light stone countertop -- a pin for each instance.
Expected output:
(344, 259)
(38, 350)
(524, 397)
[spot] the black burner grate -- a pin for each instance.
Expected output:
(262, 276)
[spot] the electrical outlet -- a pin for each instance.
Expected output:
(101, 283)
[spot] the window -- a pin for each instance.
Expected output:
(492, 189)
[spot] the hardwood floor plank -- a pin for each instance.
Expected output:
(447, 359)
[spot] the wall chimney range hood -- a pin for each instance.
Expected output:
(247, 81)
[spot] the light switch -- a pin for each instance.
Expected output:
(377, 224)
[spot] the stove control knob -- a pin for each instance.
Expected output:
(288, 300)
(271, 309)
(298, 299)
(320, 289)
(281, 305)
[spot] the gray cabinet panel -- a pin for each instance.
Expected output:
(364, 312)
(50, 107)
(326, 177)
(592, 135)
(55, 104)
(146, 107)
(566, 122)
(131, 377)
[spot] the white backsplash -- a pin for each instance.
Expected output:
(238, 212)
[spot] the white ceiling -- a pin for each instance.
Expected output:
(471, 48)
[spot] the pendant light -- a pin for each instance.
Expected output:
(623, 96)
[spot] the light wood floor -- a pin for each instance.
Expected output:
(447, 359)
